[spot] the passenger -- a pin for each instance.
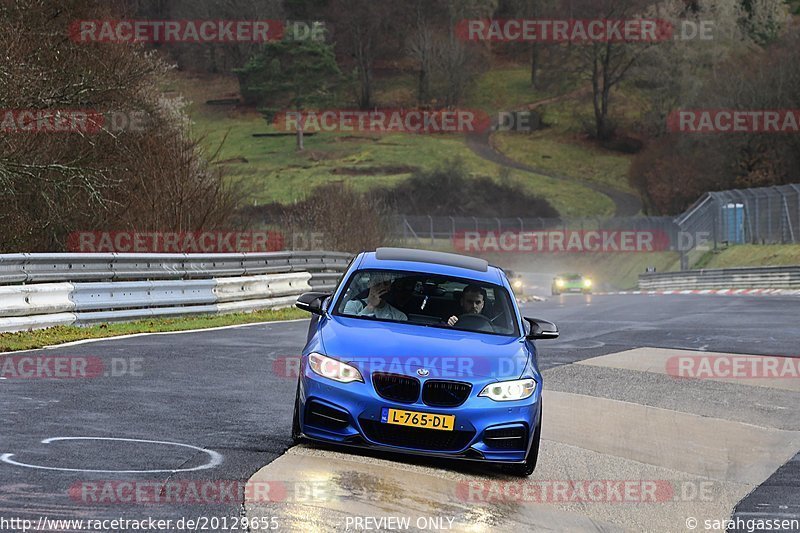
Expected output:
(375, 303)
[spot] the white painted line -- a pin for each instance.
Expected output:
(131, 335)
(215, 459)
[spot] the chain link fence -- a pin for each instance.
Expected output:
(451, 232)
(421, 229)
(769, 215)
(766, 215)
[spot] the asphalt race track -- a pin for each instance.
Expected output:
(213, 408)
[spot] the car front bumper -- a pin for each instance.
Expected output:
(350, 414)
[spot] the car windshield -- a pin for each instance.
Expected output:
(428, 300)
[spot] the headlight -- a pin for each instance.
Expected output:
(560, 282)
(587, 282)
(517, 284)
(506, 391)
(333, 369)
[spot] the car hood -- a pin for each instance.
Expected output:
(375, 346)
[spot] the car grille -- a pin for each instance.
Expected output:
(395, 387)
(417, 438)
(445, 393)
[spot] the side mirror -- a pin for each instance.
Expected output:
(311, 302)
(541, 329)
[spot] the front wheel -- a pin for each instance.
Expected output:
(526, 469)
(297, 434)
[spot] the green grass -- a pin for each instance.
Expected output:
(27, 340)
(275, 171)
(270, 169)
(559, 154)
(752, 255)
(503, 89)
(572, 115)
(395, 90)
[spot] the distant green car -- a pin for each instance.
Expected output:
(571, 283)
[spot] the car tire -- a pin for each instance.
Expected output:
(297, 434)
(526, 469)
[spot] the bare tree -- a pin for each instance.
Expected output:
(361, 27)
(606, 64)
(421, 46)
(128, 177)
(211, 57)
(677, 167)
(347, 220)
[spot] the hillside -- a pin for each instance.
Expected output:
(272, 170)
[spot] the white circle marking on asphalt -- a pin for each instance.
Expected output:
(215, 459)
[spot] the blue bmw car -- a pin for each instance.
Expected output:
(422, 352)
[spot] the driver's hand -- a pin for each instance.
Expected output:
(376, 293)
(452, 321)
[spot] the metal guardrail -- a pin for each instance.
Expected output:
(44, 290)
(36, 268)
(725, 278)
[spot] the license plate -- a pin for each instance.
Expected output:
(418, 420)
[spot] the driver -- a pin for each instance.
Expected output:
(473, 298)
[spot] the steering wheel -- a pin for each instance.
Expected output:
(474, 322)
(495, 317)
